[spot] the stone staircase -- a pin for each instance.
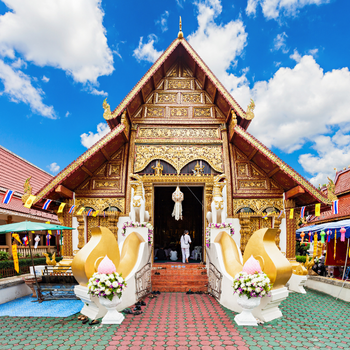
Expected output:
(177, 277)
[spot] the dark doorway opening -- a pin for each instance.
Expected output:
(167, 230)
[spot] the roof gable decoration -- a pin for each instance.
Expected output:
(283, 166)
(79, 162)
(156, 68)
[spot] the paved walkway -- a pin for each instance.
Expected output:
(177, 320)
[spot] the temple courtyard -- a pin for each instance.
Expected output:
(181, 321)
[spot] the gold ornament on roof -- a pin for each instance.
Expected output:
(27, 190)
(107, 114)
(250, 110)
(180, 35)
(330, 190)
(158, 170)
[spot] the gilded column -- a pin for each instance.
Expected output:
(227, 169)
(81, 229)
(149, 200)
(66, 220)
(291, 228)
(130, 168)
(113, 218)
(244, 220)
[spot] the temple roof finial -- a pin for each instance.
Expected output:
(180, 35)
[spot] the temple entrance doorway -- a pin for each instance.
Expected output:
(168, 231)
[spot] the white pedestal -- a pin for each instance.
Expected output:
(112, 316)
(246, 318)
(269, 307)
(92, 307)
(296, 283)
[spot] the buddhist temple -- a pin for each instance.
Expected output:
(180, 127)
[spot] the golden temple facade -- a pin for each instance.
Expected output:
(180, 127)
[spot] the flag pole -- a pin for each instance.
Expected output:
(40, 297)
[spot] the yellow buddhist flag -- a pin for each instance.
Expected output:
(61, 207)
(49, 231)
(318, 209)
(29, 202)
(15, 257)
(16, 237)
(95, 213)
(291, 214)
(335, 243)
(80, 211)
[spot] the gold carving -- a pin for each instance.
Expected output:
(167, 132)
(106, 184)
(173, 73)
(158, 170)
(178, 156)
(202, 112)
(185, 73)
(257, 205)
(179, 84)
(155, 112)
(252, 184)
(198, 170)
(114, 170)
(124, 121)
(242, 169)
(250, 110)
(101, 203)
(27, 190)
(107, 114)
(101, 171)
(178, 112)
(191, 98)
(255, 172)
(167, 98)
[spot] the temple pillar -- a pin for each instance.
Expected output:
(276, 224)
(81, 231)
(291, 228)
(66, 220)
(130, 167)
(113, 218)
(244, 220)
(227, 168)
(149, 200)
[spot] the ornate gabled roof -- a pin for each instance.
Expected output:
(275, 168)
(97, 151)
(342, 182)
(179, 48)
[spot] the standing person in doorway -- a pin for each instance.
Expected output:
(185, 246)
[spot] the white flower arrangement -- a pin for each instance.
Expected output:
(222, 225)
(106, 285)
(255, 285)
(138, 224)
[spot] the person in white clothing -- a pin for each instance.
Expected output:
(185, 246)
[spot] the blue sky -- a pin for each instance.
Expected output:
(59, 60)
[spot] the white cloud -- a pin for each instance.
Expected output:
(94, 91)
(19, 88)
(163, 21)
(298, 104)
(18, 64)
(279, 43)
(54, 168)
(87, 140)
(180, 3)
(60, 33)
(147, 52)
(332, 152)
(272, 9)
(45, 79)
(228, 39)
(67, 114)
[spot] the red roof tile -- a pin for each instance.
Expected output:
(342, 182)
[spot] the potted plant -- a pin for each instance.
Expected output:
(251, 285)
(108, 286)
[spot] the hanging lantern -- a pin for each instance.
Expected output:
(310, 237)
(329, 232)
(177, 197)
(342, 231)
(36, 240)
(322, 234)
(302, 235)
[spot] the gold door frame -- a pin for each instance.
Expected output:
(205, 181)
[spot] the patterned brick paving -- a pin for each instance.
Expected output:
(180, 321)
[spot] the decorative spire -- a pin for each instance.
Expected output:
(180, 35)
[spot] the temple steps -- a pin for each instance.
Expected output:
(177, 277)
